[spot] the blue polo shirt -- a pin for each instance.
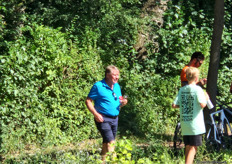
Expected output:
(106, 100)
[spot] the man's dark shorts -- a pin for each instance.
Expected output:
(108, 128)
(193, 140)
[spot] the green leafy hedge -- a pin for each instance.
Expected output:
(44, 82)
(47, 72)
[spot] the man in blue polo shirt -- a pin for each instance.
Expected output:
(108, 99)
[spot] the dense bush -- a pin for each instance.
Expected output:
(46, 74)
(53, 52)
(44, 82)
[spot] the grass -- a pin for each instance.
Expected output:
(129, 150)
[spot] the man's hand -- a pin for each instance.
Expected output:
(98, 117)
(203, 81)
(175, 106)
(123, 101)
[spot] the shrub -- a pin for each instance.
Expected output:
(44, 82)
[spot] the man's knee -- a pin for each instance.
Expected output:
(110, 145)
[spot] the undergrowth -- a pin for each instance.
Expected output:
(129, 151)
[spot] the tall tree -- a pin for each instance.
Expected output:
(215, 52)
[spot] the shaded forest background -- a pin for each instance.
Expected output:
(52, 51)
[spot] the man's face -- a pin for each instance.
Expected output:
(198, 63)
(113, 76)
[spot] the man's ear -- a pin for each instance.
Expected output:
(194, 60)
(107, 75)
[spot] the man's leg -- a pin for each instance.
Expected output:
(107, 147)
(108, 130)
(190, 152)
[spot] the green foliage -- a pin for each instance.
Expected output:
(156, 77)
(43, 87)
(224, 78)
(46, 74)
(116, 23)
(12, 17)
(156, 153)
(59, 154)
(53, 52)
(126, 151)
(122, 154)
(146, 110)
(180, 36)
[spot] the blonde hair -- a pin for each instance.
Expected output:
(110, 68)
(192, 73)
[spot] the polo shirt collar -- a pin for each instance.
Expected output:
(104, 84)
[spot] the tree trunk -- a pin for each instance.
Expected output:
(215, 54)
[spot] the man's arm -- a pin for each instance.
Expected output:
(175, 106)
(202, 82)
(98, 117)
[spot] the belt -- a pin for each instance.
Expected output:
(113, 117)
